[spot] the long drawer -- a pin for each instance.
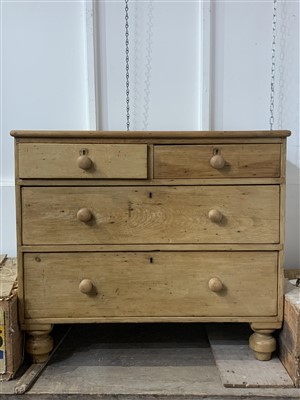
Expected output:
(217, 161)
(133, 215)
(84, 161)
(162, 284)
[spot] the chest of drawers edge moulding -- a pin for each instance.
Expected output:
(163, 161)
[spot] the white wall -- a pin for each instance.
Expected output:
(45, 84)
(241, 85)
(164, 73)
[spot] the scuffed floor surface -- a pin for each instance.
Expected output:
(137, 361)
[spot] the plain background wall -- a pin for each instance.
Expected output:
(164, 72)
(241, 85)
(43, 83)
(45, 77)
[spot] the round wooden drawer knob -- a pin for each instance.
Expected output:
(215, 215)
(84, 162)
(84, 215)
(215, 285)
(217, 161)
(86, 286)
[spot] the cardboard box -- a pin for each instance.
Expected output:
(11, 337)
(289, 337)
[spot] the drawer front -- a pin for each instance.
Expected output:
(236, 160)
(161, 284)
(133, 215)
(87, 161)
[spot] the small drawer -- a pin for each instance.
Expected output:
(84, 161)
(155, 284)
(217, 161)
(150, 214)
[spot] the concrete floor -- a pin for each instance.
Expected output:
(136, 361)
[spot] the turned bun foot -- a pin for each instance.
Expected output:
(39, 344)
(263, 344)
(262, 356)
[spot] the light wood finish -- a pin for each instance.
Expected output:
(263, 344)
(265, 325)
(151, 215)
(150, 182)
(231, 161)
(155, 287)
(31, 374)
(217, 161)
(48, 160)
(215, 215)
(84, 215)
(86, 286)
(84, 162)
(153, 141)
(39, 344)
(152, 247)
(148, 135)
(139, 319)
(281, 263)
(215, 285)
(151, 227)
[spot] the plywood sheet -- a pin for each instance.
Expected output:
(236, 362)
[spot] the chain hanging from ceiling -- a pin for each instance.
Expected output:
(273, 64)
(148, 66)
(127, 64)
(139, 102)
(147, 92)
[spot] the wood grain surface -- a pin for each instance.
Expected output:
(53, 160)
(150, 284)
(150, 134)
(241, 160)
(150, 226)
(150, 215)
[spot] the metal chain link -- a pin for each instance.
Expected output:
(127, 64)
(272, 95)
(148, 66)
(282, 70)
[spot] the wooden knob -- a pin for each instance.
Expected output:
(86, 286)
(84, 162)
(215, 215)
(84, 215)
(217, 161)
(215, 285)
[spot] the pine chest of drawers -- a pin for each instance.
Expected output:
(149, 227)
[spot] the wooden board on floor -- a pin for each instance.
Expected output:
(237, 364)
(3, 257)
